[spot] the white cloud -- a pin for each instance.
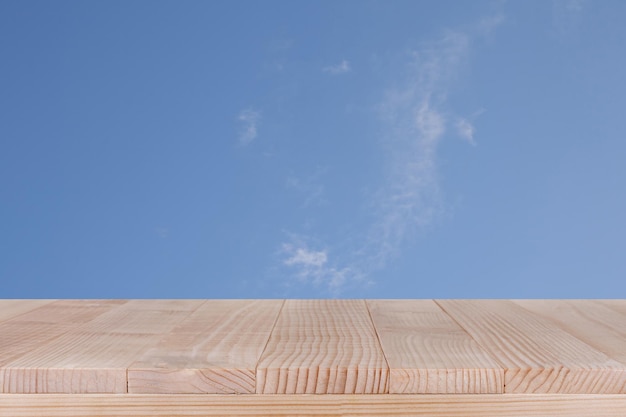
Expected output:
(410, 196)
(313, 267)
(341, 68)
(304, 257)
(466, 130)
(249, 120)
(414, 120)
(430, 123)
(465, 127)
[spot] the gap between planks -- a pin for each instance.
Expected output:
(267, 342)
(369, 313)
(534, 316)
(429, 353)
(323, 347)
(539, 355)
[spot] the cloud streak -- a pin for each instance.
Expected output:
(414, 119)
(567, 15)
(466, 130)
(410, 197)
(302, 256)
(341, 68)
(314, 267)
(248, 119)
(309, 187)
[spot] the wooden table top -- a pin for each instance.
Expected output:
(313, 346)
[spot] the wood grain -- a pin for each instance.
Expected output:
(538, 355)
(428, 353)
(435, 405)
(323, 347)
(33, 328)
(12, 308)
(617, 305)
(93, 357)
(534, 357)
(215, 350)
(591, 321)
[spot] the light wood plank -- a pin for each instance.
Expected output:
(323, 346)
(34, 328)
(71, 313)
(153, 317)
(590, 321)
(428, 353)
(617, 305)
(431, 405)
(538, 356)
(12, 308)
(94, 357)
(185, 304)
(215, 350)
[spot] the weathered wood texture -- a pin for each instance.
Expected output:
(178, 347)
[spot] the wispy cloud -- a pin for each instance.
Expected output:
(313, 267)
(488, 24)
(466, 129)
(302, 256)
(249, 119)
(309, 187)
(415, 118)
(567, 15)
(571, 6)
(341, 68)
(410, 197)
(277, 54)
(281, 44)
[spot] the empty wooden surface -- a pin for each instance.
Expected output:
(539, 356)
(593, 322)
(215, 350)
(93, 355)
(431, 405)
(12, 308)
(323, 347)
(41, 325)
(515, 357)
(428, 352)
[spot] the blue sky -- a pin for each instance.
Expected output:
(357, 149)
